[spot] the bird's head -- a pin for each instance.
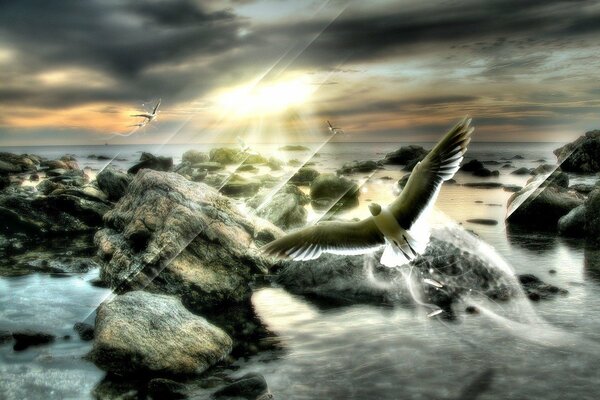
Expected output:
(375, 209)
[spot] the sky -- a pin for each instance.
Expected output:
(74, 71)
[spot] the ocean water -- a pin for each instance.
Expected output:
(358, 351)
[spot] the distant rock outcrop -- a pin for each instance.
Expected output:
(582, 155)
(406, 155)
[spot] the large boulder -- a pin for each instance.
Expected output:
(139, 332)
(405, 155)
(238, 186)
(304, 176)
(450, 259)
(180, 237)
(543, 206)
(582, 155)
(329, 189)
(194, 157)
(150, 161)
(285, 209)
(14, 163)
(113, 182)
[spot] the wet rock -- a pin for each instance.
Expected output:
(42, 215)
(556, 177)
(59, 165)
(247, 168)
(543, 207)
(328, 189)
(275, 164)
(8, 168)
(15, 163)
(84, 330)
(291, 147)
(484, 172)
(251, 386)
(4, 182)
(139, 332)
(359, 166)
(582, 155)
(592, 216)
(472, 166)
(253, 159)
(573, 223)
(113, 182)
(238, 186)
(34, 177)
(180, 237)
(451, 259)
(5, 336)
(225, 156)
(537, 290)
(115, 387)
(582, 188)
(406, 155)
(294, 163)
(285, 209)
(483, 221)
(484, 185)
(150, 161)
(27, 338)
(304, 176)
(208, 166)
(512, 188)
(521, 171)
(194, 157)
(161, 388)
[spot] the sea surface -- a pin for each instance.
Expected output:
(358, 351)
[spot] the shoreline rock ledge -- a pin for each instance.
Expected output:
(173, 236)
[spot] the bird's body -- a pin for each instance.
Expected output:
(400, 227)
(333, 129)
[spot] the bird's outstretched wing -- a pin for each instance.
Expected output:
(427, 176)
(142, 115)
(156, 107)
(349, 238)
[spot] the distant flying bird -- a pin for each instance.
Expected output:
(149, 116)
(399, 226)
(244, 148)
(334, 129)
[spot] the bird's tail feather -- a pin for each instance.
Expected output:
(409, 246)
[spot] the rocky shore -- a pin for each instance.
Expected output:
(178, 245)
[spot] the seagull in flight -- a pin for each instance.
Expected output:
(400, 226)
(334, 129)
(244, 148)
(149, 116)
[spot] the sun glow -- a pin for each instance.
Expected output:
(267, 98)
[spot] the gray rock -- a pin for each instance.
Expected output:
(328, 189)
(359, 166)
(537, 290)
(582, 188)
(592, 216)
(472, 166)
(238, 186)
(225, 156)
(285, 209)
(139, 332)
(113, 182)
(150, 161)
(521, 171)
(573, 223)
(180, 237)
(194, 157)
(582, 155)
(27, 338)
(4, 182)
(450, 259)
(405, 155)
(84, 330)
(304, 176)
(543, 207)
(292, 147)
(251, 386)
